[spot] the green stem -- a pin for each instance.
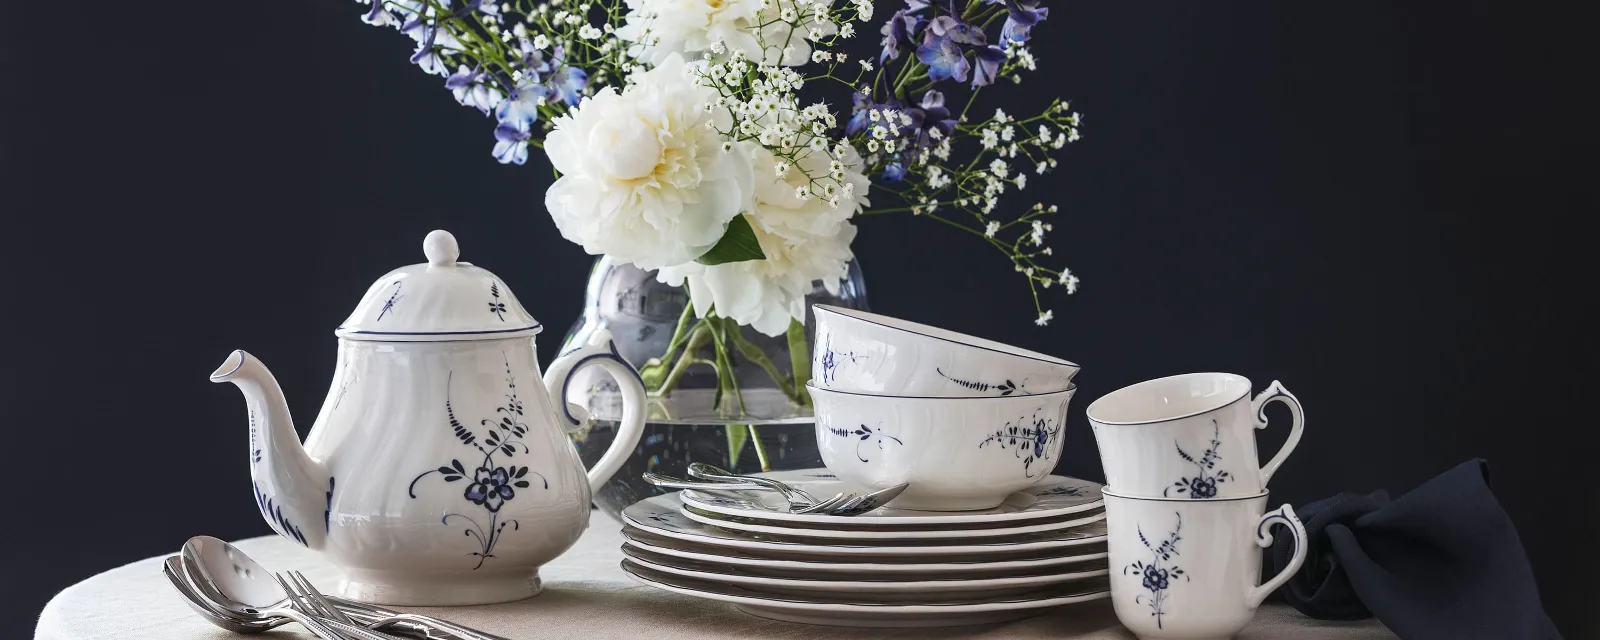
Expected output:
(697, 339)
(725, 379)
(754, 354)
(761, 450)
(799, 361)
(653, 371)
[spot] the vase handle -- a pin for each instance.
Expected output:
(602, 352)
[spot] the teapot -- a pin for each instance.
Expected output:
(439, 469)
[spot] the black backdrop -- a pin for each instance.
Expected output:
(1371, 202)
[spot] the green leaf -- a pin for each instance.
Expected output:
(737, 435)
(738, 244)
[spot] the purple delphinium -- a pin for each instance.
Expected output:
(898, 31)
(1020, 18)
(943, 56)
(470, 89)
(567, 83)
(522, 101)
(928, 116)
(958, 31)
(988, 60)
(511, 142)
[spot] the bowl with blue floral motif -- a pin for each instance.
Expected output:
(956, 453)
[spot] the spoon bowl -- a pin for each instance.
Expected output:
(239, 588)
(173, 569)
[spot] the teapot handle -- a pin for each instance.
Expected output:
(602, 352)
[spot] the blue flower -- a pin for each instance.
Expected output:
(1020, 18)
(1040, 437)
(490, 488)
(929, 115)
(960, 32)
(897, 31)
(566, 84)
(378, 16)
(944, 59)
(1155, 579)
(894, 172)
(427, 57)
(470, 90)
(989, 60)
(1202, 487)
(512, 142)
(521, 104)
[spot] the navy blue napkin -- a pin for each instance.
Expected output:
(1442, 561)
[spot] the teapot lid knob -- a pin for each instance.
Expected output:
(440, 248)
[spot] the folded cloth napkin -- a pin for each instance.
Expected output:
(1443, 561)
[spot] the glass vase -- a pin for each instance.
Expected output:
(756, 418)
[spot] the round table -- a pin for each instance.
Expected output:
(586, 596)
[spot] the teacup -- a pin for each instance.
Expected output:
(869, 353)
(1187, 569)
(959, 454)
(1189, 436)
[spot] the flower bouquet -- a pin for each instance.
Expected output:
(727, 147)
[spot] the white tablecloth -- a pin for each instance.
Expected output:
(587, 596)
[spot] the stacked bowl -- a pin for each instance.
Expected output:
(982, 531)
(965, 421)
(1186, 505)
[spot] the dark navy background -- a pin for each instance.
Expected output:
(1377, 203)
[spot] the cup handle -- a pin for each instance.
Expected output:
(1285, 516)
(601, 352)
(1276, 393)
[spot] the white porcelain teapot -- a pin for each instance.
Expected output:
(439, 471)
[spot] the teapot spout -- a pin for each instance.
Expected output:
(293, 491)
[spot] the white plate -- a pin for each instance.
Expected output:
(892, 565)
(842, 612)
(882, 535)
(898, 588)
(1052, 497)
(660, 515)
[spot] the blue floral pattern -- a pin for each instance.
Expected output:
(1062, 490)
(864, 435)
(1158, 574)
(1029, 439)
(497, 307)
(1204, 483)
(1003, 388)
(832, 359)
(274, 515)
(388, 305)
(492, 484)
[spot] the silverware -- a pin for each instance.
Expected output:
(841, 505)
(223, 611)
(797, 503)
(377, 617)
(301, 601)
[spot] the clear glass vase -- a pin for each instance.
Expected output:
(755, 419)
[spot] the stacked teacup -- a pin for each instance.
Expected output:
(965, 421)
(1186, 506)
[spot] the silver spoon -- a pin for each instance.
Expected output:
(241, 589)
(370, 616)
(220, 610)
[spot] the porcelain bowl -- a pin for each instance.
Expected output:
(958, 454)
(870, 353)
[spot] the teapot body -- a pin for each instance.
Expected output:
(450, 479)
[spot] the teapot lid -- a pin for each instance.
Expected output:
(439, 300)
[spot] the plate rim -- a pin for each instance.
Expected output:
(845, 550)
(1009, 605)
(907, 586)
(952, 567)
(905, 520)
(839, 534)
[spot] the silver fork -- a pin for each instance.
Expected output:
(331, 616)
(381, 618)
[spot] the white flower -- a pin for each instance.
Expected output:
(848, 30)
(642, 179)
(990, 229)
(541, 42)
(1022, 181)
(658, 28)
(864, 10)
(805, 239)
(820, 56)
(998, 168)
(1045, 318)
(1069, 281)
(989, 139)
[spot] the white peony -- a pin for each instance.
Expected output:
(643, 180)
(660, 28)
(805, 240)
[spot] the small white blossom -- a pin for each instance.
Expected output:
(719, 48)
(1000, 115)
(872, 146)
(803, 192)
(1045, 318)
(1008, 133)
(727, 146)
(1069, 281)
(989, 139)
(781, 169)
(1022, 181)
(819, 144)
(541, 42)
(788, 15)
(588, 32)
(1037, 236)
(990, 229)
(998, 168)
(848, 30)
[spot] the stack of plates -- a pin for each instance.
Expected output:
(1045, 546)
